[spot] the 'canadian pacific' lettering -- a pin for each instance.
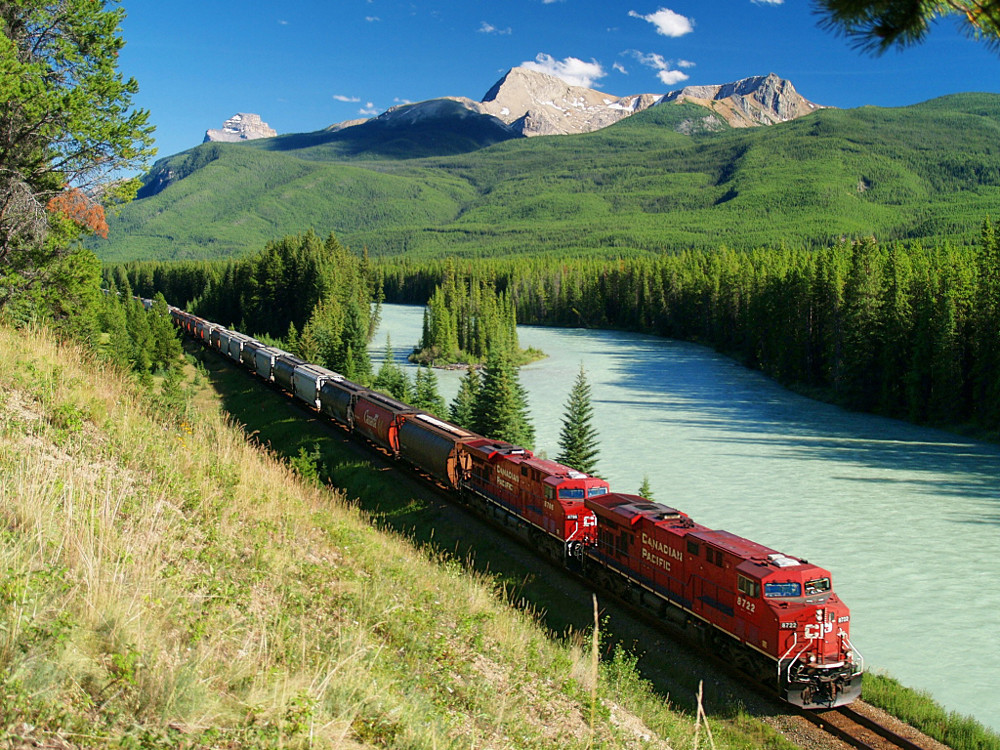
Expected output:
(663, 549)
(655, 560)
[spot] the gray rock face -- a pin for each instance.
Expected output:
(539, 104)
(532, 103)
(243, 126)
(760, 100)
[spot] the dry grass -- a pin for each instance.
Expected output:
(168, 584)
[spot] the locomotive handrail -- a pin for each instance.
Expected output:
(795, 642)
(859, 664)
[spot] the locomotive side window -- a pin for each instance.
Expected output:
(748, 586)
(785, 589)
(692, 547)
(550, 494)
(714, 556)
(817, 586)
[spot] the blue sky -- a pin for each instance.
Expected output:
(305, 64)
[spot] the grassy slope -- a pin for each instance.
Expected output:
(929, 170)
(169, 584)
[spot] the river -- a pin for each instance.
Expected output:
(906, 518)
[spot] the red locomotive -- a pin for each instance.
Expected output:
(775, 616)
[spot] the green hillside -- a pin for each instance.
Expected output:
(657, 181)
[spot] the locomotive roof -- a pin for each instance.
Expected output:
(494, 450)
(630, 509)
(758, 559)
(634, 508)
(556, 469)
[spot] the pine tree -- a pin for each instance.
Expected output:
(645, 490)
(354, 345)
(391, 378)
(502, 406)
(426, 395)
(462, 410)
(292, 339)
(114, 322)
(578, 446)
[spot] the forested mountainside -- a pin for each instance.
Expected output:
(653, 182)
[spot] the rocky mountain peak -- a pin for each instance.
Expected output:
(530, 103)
(243, 126)
(749, 102)
(536, 103)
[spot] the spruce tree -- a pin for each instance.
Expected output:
(645, 490)
(502, 405)
(426, 395)
(578, 446)
(391, 378)
(462, 410)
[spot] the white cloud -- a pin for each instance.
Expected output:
(282, 23)
(342, 98)
(368, 109)
(667, 22)
(665, 69)
(767, 2)
(371, 19)
(572, 70)
(620, 68)
(670, 77)
(488, 28)
(397, 100)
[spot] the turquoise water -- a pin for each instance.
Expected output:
(906, 518)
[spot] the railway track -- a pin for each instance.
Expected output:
(857, 730)
(843, 723)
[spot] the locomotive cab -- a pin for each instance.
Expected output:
(564, 511)
(817, 663)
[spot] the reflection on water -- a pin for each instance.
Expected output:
(906, 518)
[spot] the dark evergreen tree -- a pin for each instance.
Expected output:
(578, 444)
(986, 369)
(501, 406)
(391, 378)
(114, 323)
(354, 362)
(462, 410)
(645, 490)
(426, 395)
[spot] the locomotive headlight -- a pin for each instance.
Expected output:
(812, 658)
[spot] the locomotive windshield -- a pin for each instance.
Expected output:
(571, 494)
(595, 491)
(785, 589)
(817, 586)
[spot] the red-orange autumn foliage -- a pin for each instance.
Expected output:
(83, 211)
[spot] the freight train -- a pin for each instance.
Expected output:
(773, 615)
